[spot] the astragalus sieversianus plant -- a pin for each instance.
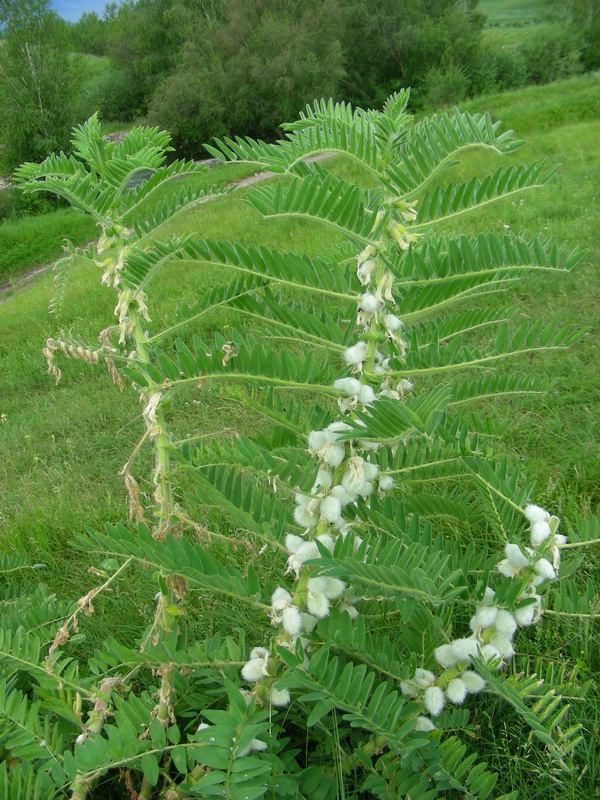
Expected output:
(397, 554)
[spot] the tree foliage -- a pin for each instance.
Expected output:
(36, 82)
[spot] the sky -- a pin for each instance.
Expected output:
(73, 9)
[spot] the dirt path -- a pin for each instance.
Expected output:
(10, 288)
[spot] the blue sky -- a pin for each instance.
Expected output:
(73, 9)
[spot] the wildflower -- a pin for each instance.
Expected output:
(464, 648)
(473, 682)
(386, 482)
(369, 303)
(317, 604)
(515, 556)
(365, 270)
(356, 354)
(540, 531)
(280, 599)
(408, 689)
(445, 656)
(392, 322)
(291, 620)
(484, 618)
(304, 518)
(456, 691)
(536, 514)
(424, 724)
(423, 677)
(525, 615)
(308, 622)
(255, 744)
(331, 509)
(280, 697)
(317, 440)
(489, 653)
(293, 542)
(503, 645)
(334, 455)
(255, 669)
(505, 623)
(544, 571)
(342, 495)
(351, 386)
(434, 700)
(366, 395)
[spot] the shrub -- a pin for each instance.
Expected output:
(375, 632)
(550, 54)
(444, 87)
(114, 93)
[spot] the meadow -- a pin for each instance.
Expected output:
(65, 444)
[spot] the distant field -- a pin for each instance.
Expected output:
(510, 12)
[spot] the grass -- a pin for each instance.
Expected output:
(512, 12)
(32, 241)
(65, 444)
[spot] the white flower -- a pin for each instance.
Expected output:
(434, 700)
(342, 495)
(365, 270)
(369, 303)
(463, 648)
(507, 569)
(424, 724)
(202, 727)
(540, 531)
(280, 599)
(351, 386)
(291, 620)
(386, 482)
(544, 570)
(356, 354)
(255, 744)
(456, 691)
(324, 479)
(280, 697)
(405, 385)
(473, 682)
(366, 395)
(331, 509)
(349, 609)
(524, 615)
(317, 604)
(370, 471)
(304, 518)
(254, 670)
(308, 622)
(515, 556)
(334, 455)
(536, 514)
(258, 652)
(445, 655)
(484, 617)
(505, 623)
(334, 588)
(293, 543)
(423, 677)
(488, 652)
(317, 440)
(304, 553)
(503, 645)
(392, 322)
(365, 488)
(408, 689)
(327, 541)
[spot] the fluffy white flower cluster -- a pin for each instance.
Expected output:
(425, 687)
(492, 626)
(256, 670)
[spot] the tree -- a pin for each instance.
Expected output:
(36, 81)
(263, 62)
